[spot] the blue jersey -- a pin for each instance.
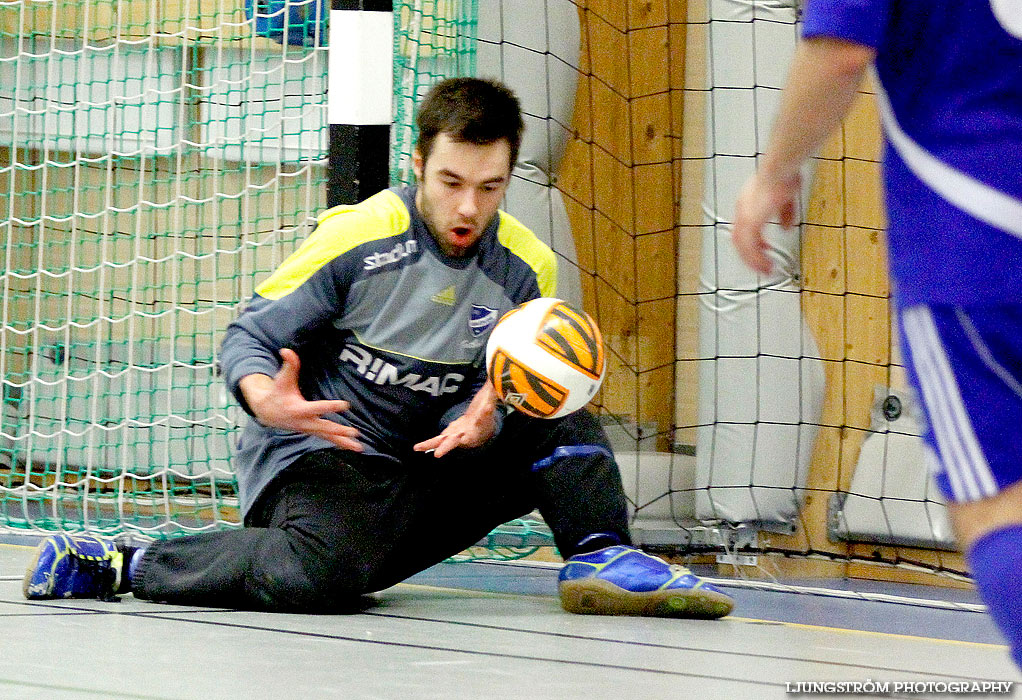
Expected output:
(950, 74)
(382, 318)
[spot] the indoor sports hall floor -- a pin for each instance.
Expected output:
(489, 630)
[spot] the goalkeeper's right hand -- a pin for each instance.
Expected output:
(277, 402)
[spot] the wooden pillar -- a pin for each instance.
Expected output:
(621, 188)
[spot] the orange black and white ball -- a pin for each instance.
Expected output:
(545, 358)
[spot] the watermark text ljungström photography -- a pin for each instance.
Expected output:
(873, 688)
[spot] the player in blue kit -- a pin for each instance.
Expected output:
(376, 447)
(950, 96)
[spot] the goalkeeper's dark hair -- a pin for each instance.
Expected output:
(470, 110)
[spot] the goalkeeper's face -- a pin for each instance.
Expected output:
(461, 185)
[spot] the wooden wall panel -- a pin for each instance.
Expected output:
(621, 174)
(691, 148)
(866, 271)
(826, 207)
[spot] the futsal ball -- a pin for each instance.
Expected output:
(545, 358)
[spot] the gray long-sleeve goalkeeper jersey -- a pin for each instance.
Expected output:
(382, 318)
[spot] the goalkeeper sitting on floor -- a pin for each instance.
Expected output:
(360, 362)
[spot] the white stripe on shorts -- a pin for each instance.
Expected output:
(960, 452)
(984, 352)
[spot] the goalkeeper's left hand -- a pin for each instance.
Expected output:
(472, 429)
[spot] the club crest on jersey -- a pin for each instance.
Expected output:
(481, 320)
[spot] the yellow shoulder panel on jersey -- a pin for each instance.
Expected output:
(339, 230)
(517, 238)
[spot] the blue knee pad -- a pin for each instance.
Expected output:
(996, 563)
(571, 451)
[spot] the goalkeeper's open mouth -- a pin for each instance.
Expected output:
(462, 238)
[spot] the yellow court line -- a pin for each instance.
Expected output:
(889, 635)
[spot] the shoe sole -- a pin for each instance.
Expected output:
(593, 596)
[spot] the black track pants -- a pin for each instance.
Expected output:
(337, 524)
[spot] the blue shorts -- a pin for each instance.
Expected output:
(966, 365)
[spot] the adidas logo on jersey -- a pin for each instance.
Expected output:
(380, 372)
(395, 254)
(445, 297)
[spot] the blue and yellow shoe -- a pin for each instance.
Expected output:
(622, 580)
(74, 566)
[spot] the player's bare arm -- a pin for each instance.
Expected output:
(824, 78)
